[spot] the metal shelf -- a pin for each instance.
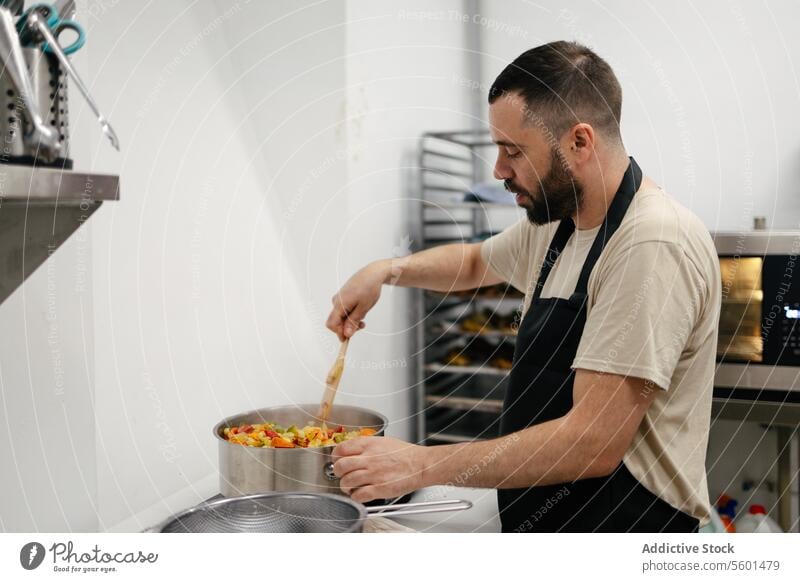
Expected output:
(465, 403)
(450, 163)
(443, 298)
(467, 137)
(484, 370)
(466, 205)
(455, 330)
(771, 413)
(40, 208)
(473, 334)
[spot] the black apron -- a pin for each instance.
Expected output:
(540, 389)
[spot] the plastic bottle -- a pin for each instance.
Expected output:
(726, 506)
(715, 525)
(757, 521)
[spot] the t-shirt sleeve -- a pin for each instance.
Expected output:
(507, 254)
(646, 304)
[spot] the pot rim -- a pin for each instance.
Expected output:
(226, 422)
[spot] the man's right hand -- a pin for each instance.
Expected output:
(358, 295)
(443, 268)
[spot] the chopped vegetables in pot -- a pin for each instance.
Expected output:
(272, 435)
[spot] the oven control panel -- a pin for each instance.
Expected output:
(780, 311)
(790, 330)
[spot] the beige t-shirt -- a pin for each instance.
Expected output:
(652, 313)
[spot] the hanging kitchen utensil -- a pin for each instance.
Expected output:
(48, 84)
(36, 21)
(332, 383)
(26, 135)
(15, 6)
(31, 37)
(65, 8)
(293, 513)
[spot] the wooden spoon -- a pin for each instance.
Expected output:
(332, 384)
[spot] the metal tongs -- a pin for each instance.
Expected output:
(36, 26)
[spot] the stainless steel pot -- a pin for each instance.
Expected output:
(249, 470)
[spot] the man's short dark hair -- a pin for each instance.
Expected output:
(563, 83)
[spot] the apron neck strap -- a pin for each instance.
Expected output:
(631, 182)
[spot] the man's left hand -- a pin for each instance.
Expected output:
(378, 467)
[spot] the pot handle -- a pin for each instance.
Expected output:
(327, 470)
(420, 507)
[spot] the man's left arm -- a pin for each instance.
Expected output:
(589, 441)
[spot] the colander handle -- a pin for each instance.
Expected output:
(420, 507)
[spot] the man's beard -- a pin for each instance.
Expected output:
(558, 196)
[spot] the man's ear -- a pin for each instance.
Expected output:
(581, 142)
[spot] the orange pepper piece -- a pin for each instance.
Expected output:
(281, 443)
(367, 431)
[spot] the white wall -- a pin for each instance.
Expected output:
(199, 314)
(48, 476)
(399, 85)
(710, 92)
(262, 145)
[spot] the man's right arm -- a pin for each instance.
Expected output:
(452, 267)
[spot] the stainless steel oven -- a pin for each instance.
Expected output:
(758, 351)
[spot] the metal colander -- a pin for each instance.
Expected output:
(283, 512)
